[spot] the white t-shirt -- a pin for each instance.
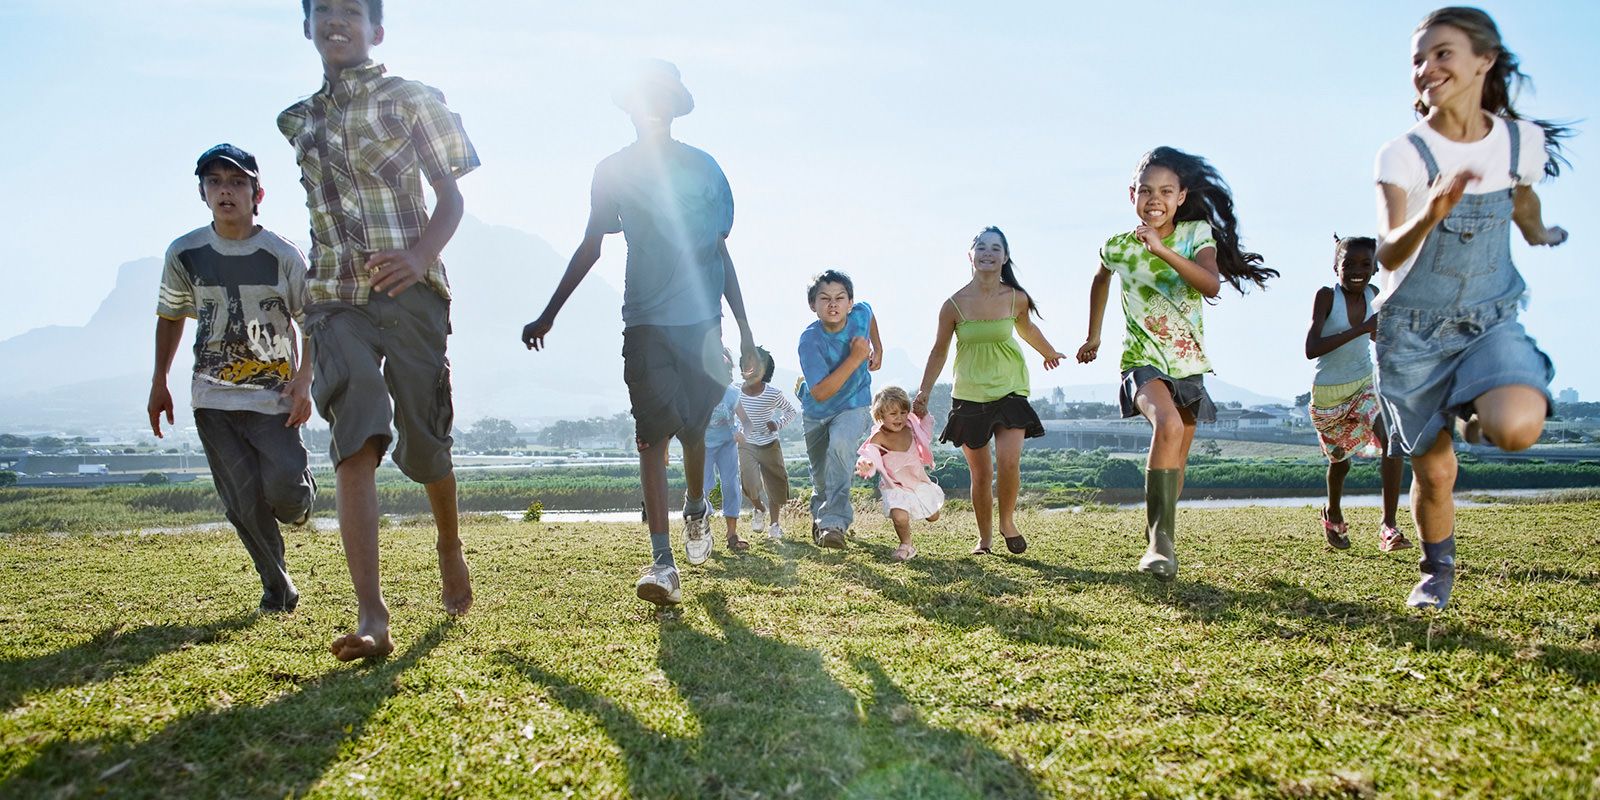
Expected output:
(1399, 164)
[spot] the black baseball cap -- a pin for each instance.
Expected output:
(230, 154)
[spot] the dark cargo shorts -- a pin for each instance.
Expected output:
(385, 362)
(675, 376)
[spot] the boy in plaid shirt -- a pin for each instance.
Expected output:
(378, 301)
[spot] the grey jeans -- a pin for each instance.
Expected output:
(259, 468)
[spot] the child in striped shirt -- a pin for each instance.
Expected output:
(763, 411)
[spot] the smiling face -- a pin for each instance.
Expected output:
(988, 253)
(1445, 70)
(1156, 195)
(894, 417)
(229, 193)
(1355, 267)
(832, 304)
(343, 32)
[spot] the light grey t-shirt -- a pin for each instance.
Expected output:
(673, 205)
(242, 294)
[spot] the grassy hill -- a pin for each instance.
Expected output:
(130, 667)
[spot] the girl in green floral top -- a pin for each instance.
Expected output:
(1185, 245)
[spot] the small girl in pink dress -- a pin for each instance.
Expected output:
(898, 451)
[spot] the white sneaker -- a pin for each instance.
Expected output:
(775, 533)
(697, 539)
(757, 525)
(659, 584)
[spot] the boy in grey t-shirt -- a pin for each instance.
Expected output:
(245, 288)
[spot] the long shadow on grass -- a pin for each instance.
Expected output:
(962, 594)
(1279, 607)
(110, 652)
(279, 749)
(774, 722)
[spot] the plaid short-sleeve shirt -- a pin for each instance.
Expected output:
(364, 144)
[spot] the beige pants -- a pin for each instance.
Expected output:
(761, 465)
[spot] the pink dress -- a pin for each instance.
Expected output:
(902, 478)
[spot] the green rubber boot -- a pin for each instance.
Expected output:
(1161, 517)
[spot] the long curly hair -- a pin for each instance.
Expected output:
(1505, 80)
(1210, 201)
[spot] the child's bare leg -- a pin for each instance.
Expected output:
(456, 581)
(653, 480)
(1008, 458)
(694, 466)
(1337, 472)
(1433, 481)
(902, 524)
(902, 528)
(1189, 426)
(357, 494)
(1170, 434)
(1512, 417)
(982, 472)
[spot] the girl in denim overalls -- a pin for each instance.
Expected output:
(1449, 346)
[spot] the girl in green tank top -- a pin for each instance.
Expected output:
(990, 399)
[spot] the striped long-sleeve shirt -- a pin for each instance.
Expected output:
(755, 411)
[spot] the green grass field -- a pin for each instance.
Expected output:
(132, 666)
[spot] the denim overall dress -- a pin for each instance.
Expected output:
(1450, 333)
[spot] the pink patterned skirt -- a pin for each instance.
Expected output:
(1347, 427)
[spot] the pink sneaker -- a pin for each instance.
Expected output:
(1391, 539)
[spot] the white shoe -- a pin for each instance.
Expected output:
(775, 533)
(756, 525)
(697, 539)
(659, 584)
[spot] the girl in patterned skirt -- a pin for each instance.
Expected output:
(1185, 245)
(1344, 404)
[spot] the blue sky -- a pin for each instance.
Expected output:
(874, 137)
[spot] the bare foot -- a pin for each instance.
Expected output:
(352, 646)
(456, 592)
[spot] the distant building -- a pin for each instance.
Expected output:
(1568, 395)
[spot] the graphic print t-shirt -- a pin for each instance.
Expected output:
(242, 294)
(1165, 329)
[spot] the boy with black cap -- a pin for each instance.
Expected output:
(245, 286)
(672, 204)
(378, 309)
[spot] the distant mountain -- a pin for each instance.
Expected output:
(97, 376)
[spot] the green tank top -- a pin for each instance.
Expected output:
(989, 363)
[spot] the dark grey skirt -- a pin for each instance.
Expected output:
(1187, 392)
(973, 424)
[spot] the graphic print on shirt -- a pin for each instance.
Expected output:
(243, 321)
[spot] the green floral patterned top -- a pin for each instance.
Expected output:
(1165, 329)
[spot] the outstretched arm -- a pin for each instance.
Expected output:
(730, 290)
(1099, 290)
(583, 260)
(936, 357)
(1031, 334)
(1528, 213)
(299, 387)
(169, 334)
(875, 360)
